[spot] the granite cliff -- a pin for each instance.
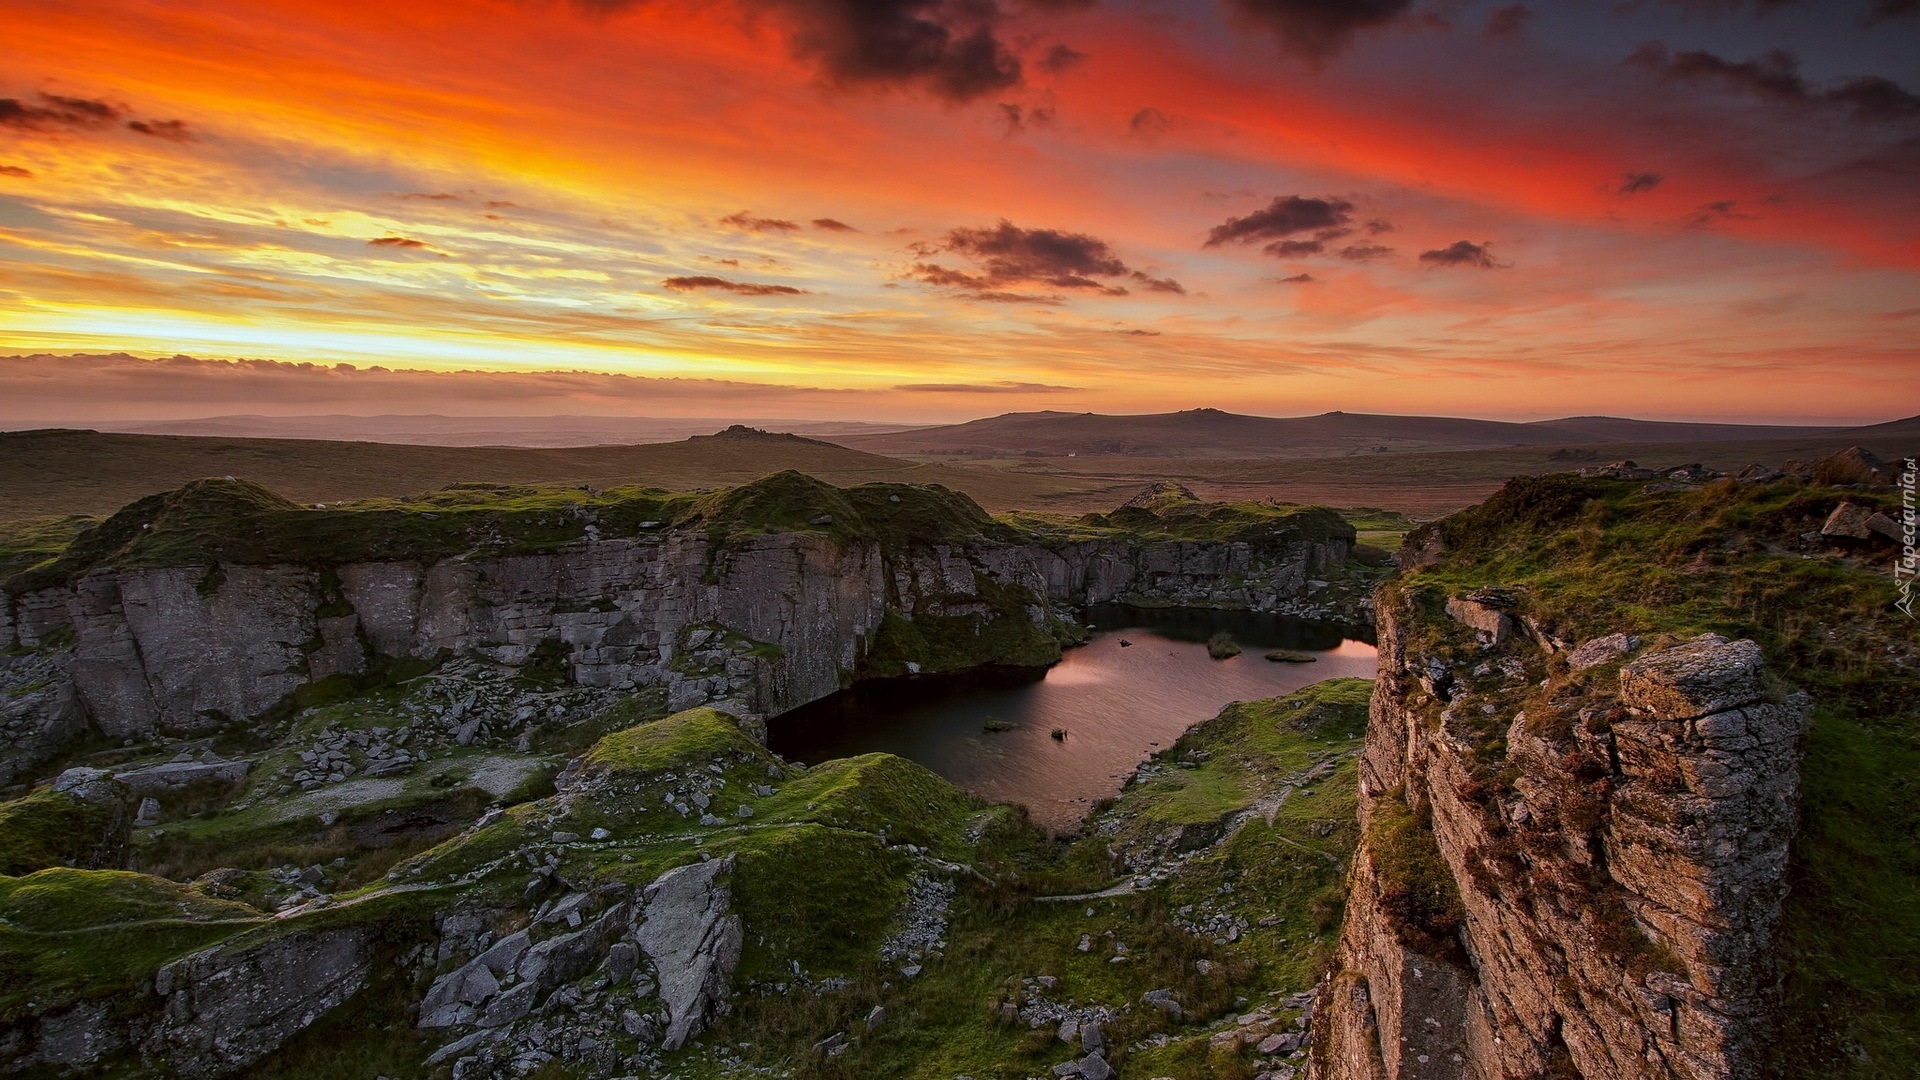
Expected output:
(1615, 795)
(202, 609)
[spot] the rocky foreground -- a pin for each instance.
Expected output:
(1629, 798)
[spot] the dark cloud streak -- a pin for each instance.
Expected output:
(745, 220)
(1464, 253)
(739, 288)
(1285, 216)
(1010, 255)
(1318, 30)
(55, 112)
(1005, 387)
(1776, 75)
(170, 130)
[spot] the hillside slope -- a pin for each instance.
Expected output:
(85, 472)
(1213, 433)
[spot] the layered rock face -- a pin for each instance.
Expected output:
(769, 623)
(1612, 848)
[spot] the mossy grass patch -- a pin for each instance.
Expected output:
(48, 828)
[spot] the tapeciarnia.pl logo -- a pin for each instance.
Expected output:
(1904, 566)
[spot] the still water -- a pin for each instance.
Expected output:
(1117, 704)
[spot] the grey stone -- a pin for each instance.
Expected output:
(1279, 1044)
(1706, 675)
(229, 1006)
(1488, 620)
(1849, 520)
(80, 779)
(178, 774)
(512, 1004)
(622, 958)
(694, 943)
(1601, 650)
(1092, 1039)
(1164, 1001)
(505, 954)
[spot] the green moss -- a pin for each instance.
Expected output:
(1246, 522)
(691, 737)
(1417, 891)
(72, 934)
(822, 897)
(235, 522)
(1221, 646)
(48, 828)
(28, 542)
(879, 794)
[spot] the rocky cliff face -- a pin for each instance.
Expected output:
(767, 621)
(1573, 866)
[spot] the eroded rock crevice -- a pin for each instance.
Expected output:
(1613, 821)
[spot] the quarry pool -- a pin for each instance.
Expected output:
(1117, 705)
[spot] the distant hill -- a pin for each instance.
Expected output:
(433, 430)
(1215, 434)
(61, 471)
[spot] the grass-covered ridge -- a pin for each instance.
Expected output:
(1584, 558)
(1177, 515)
(236, 521)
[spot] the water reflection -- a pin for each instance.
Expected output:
(1116, 703)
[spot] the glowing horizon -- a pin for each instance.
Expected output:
(1485, 210)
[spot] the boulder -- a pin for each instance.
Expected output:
(1487, 619)
(1601, 650)
(1853, 465)
(229, 1006)
(1706, 675)
(1619, 470)
(694, 942)
(1162, 1000)
(1849, 520)
(179, 774)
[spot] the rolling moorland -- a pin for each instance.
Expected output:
(492, 800)
(1017, 461)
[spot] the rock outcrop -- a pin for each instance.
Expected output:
(223, 1009)
(768, 620)
(1582, 882)
(211, 1014)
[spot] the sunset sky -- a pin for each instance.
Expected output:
(938, 209)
